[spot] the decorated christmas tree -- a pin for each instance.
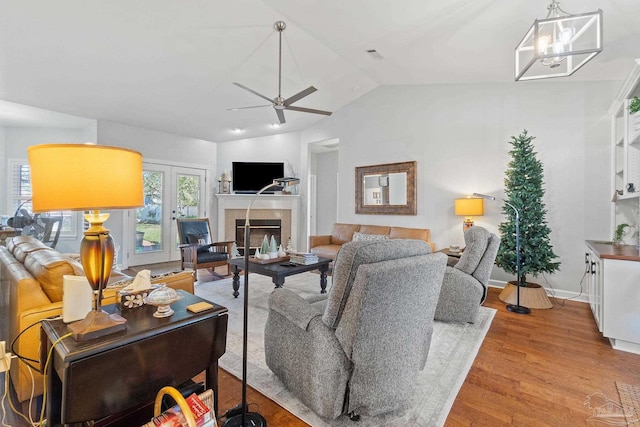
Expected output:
(523, 187)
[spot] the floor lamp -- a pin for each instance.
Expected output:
(515, 308)
(245, 418)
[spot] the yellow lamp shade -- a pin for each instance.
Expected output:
(84, 177)
(469, 206)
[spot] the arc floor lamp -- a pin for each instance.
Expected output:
(515, 308)
(245, 418)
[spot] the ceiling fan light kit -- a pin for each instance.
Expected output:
(279, 103)
(558, 45)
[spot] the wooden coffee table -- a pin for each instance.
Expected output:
(278, 272)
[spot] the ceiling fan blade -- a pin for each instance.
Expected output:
(280, 114)
(253, 106)
(298, 96)
(253, 91)
(308, 110)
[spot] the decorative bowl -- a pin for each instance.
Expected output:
(162, 297)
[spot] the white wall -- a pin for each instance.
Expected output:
(276, 148)
(459, 134)
(17, 139)
(159, 145)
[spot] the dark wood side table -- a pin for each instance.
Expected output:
(97, 378)
(448, 252)
(452, 257)
(278, 272)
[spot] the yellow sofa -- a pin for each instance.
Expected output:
(33, 273)
(327, 246)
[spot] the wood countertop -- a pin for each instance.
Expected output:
(608, 250)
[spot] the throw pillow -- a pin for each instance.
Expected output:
(200, 240)
(197, 239)
(204, 248)
(363, 237)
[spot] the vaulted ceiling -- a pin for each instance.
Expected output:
(170, 64)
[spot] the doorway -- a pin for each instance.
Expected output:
(170, 192)
(323, 186)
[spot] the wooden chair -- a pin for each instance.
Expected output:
(197, 248)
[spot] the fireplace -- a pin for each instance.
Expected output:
(285, 208)
(258, 229)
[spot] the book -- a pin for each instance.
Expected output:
(303, 258)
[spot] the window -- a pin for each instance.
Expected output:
(20, 197)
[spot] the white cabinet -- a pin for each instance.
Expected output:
(594, 285)
(613, 283)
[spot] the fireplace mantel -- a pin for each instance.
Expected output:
(262, 202)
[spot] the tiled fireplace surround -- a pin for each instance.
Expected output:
(266, 206)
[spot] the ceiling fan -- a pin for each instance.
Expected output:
(279, 103)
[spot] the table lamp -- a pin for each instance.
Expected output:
(245, 418)
(88, 177)
(468, 207)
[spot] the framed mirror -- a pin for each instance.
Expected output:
(388, 189)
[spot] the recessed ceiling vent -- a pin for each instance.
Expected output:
(374, 54)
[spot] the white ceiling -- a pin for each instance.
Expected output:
(170, 64)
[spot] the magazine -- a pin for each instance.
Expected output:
(174, 417)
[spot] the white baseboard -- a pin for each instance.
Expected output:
(552, 293)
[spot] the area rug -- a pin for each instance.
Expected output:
(630, 400)
(453, 350)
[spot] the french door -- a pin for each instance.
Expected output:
(170, 192)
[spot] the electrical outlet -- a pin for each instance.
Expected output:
(5, 358)
(5, 363)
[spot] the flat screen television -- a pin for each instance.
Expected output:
(251, 177)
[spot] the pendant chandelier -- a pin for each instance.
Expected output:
(558, 45)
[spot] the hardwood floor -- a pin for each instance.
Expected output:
(532, 370)
(539, 369)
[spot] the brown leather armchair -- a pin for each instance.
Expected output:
(197, 248)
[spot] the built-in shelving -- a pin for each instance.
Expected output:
(634, 129)
(629, 196)
(625, 137)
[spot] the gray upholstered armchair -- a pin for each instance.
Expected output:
(358, 348)
(464, 287)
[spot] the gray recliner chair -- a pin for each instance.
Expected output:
(357, 349)
(464, 287)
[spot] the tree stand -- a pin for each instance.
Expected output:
(532, 295)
